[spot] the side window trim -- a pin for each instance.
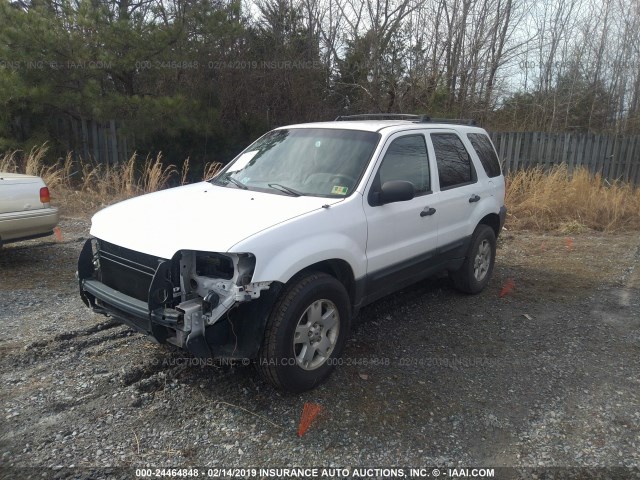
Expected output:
(476, 162)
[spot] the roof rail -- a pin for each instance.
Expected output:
(379, 116)
(458, 121)
(405, 116)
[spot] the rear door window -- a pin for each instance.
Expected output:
(453, 160)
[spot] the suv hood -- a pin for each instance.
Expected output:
(201, 216)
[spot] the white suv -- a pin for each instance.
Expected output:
(271, 259)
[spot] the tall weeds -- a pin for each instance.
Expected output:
(554, 200)
(559, 200)
(82, 187)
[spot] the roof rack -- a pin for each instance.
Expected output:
(458, 121)
(404, 116)
(379, 116)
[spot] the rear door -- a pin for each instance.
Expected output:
(488, 158)
(459, 192)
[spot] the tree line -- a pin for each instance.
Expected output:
(201, 78)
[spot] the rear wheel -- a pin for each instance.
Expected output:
(477, 268)
(306, 330)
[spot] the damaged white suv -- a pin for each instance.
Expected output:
(271, 259)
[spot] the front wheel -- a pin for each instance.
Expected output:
(477, 268)
(306, 331)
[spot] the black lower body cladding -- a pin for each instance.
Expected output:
(503, 217)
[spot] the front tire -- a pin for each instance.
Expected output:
(475, 273)
(306, 331)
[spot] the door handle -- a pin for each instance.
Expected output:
(474, 198)
(427, 211)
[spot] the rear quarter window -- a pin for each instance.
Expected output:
(486, 153)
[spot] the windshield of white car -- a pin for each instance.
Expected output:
(302, 161)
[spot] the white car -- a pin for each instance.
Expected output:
(271, 259)
(25, 210)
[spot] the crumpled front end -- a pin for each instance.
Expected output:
(203, 302)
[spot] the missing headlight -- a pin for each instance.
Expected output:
(214, 265)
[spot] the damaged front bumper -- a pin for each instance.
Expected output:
(202, 302)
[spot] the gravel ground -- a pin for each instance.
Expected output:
(547, 375)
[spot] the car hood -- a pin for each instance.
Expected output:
(201, 216)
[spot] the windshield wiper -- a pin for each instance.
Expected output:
(286, 189)
(237, 183)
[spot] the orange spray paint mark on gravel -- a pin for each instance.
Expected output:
(58, 233)
(568, 242)
(309, 414)
(508, 286)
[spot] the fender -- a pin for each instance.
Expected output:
(486, 206)
(336, 232)
(296, 257)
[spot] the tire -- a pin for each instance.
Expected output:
(305, 333)
(475, 273)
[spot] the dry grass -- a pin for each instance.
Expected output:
(34, 164)
(211, 169)
(83, 187)
(537, 200)
(570, 203)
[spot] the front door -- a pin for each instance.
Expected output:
(402, 236)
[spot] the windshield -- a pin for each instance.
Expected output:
(302, 161)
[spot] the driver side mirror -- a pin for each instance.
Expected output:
(396, 191)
